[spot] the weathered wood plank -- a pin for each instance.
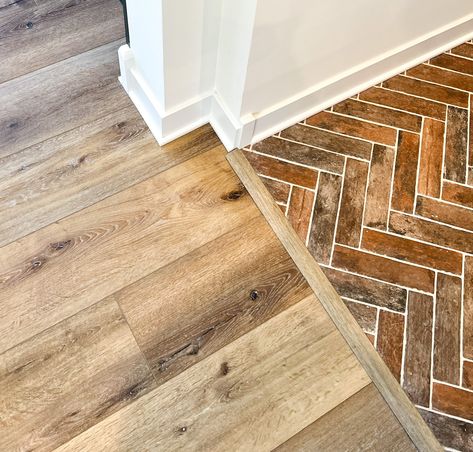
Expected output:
(84, 166)
(253, 394)
(68, 378)
(69, 265)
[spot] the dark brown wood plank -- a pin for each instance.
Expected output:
(363, 423)
(84, 166)
(60, 97)
(35, 34)
(210, 297)
(101, 249)
(69, 377)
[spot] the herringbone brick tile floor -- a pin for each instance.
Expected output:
(380, 187)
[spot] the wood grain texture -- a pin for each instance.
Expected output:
(81, 89)
(99, 250)
(210, 297)
(253, 394)
(84, 166)
(377, 370)
(362, 423)
(35, 34)
(69, 377)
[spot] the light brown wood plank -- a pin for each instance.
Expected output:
(84, 166)
(406, 413)
(210, 297)
(35, 34)
(363, 423)
(69, 265)
(60, 97)
(253, 394)
(66, 379)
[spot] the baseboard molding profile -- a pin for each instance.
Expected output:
(404, 410)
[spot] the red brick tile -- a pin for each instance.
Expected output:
(390, 340)
(465, 50)
(405, 172)
(322, 230)
(435, 233)
(384, 269)
(458, 194)
(300, 211)
(379, 187)
(328, 141)
(468, 309)
(418, 348)
(451, 432)
(287, 172)
(383, 115)
(454, 401)
(364, 315)
(354, 127)
(428, 90)
(350, 218)
(456, 145)
(367, 290)
(404, 102)
(447, 329)
(442, 76)
(453, 63)
(371, 338)
(444, 212)
(300, 153)
(278, 190)
(468, 374)
(412, 251)
(431, 158)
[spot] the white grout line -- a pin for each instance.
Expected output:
(365, 303)
(444, 201)
(288, 200)
(429, 63)
(421, 97)
(283, 181)
(453, 386)
(404, 340)
(377, 329)
(451, 416)
(338, 210)
(468, 360)
(437, 84)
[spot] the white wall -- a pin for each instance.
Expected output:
(252, 67)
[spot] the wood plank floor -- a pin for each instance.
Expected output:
(145, 302)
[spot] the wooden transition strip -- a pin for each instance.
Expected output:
(404, 410)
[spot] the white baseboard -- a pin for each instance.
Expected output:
(240, 132)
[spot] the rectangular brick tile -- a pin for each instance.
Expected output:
(364, 315)
(379, 187)
(442, 76)
(278, 190)
(354, 127)
(444, 212)
(428, 231)
(468, 309)
(411, 251)
(404, 102)
(300, 153)
(458, 194)
(329, 141)
(456, 145)
(454, 401)
(431, 158)
(467, 374)
(390, 340)
(383, 115)
(287, 172)
(367, 290)
(447, 329)
(428, 90)
(405, 172)
(465, 50)
(418, 348)
(453, 63)
(350, 218)
(452, 433)
(383, 268)
(322, 230)
(300, 210)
